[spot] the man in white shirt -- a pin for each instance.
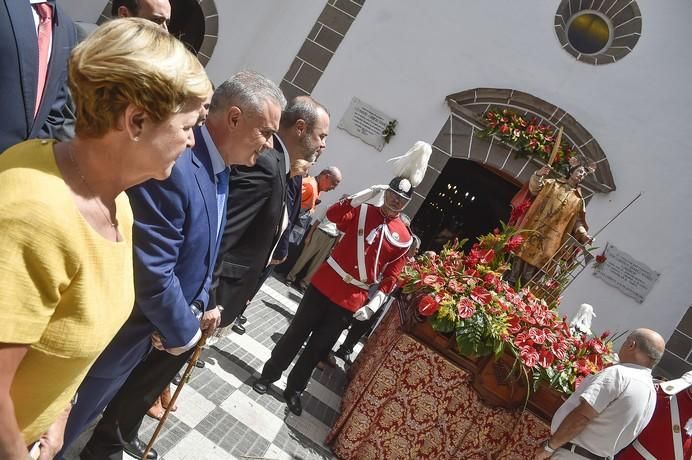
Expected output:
(609, 409)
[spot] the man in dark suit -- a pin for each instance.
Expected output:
(178, 225)
(257, 206)
(281, 250)
(35, 42)
(157, 11)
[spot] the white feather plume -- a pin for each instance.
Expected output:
(413, 164)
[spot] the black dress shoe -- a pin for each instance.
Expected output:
(136, 449)
(238, 328)
(293, 401)
(261, 385)
(343, 353)
(241, 319)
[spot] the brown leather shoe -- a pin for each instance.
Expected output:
(156, 410)
(166, 399)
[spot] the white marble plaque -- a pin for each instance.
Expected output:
(365, 122)
(622, 271)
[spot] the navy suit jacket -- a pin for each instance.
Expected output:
(175, 248)
(19, 72)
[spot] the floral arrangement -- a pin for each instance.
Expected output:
(528, 136)
(465, 295)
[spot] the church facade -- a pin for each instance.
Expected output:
(613, 73)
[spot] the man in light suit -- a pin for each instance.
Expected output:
(178, 224)
(31, 90)
(258, 206)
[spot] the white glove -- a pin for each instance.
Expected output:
(374, 194)
(363, 313)
(366, 312)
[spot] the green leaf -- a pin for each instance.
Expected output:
(442, 324)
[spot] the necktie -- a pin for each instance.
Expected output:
(45, 34)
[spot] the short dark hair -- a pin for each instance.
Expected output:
(132, 5)
(302, 108)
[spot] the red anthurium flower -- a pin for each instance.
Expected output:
(514, 325)
(471, 272)
(522, 340)
(560, 350)
(466, 308)
(493, 281)
(427, 306)
(487, 256)
(456, 286)
(481, 295)
(597, 346)
(550, 336)
(537, 335)
(529, 356)
(513, 297)
(545, 358)
(434, 281)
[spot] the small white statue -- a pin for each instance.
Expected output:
(581, 322)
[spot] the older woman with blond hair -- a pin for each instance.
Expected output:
(66, 223)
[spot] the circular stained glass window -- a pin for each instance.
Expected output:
(601, 33)
(588, 33)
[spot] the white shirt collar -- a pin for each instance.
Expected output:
(286, 156)
(217, 163)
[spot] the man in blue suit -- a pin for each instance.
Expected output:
(177, 230)
(22, 78)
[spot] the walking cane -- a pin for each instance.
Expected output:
(183, 380)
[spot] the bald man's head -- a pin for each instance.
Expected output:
(644, 347)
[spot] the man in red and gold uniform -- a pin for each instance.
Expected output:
(667, 436)
(372, 250)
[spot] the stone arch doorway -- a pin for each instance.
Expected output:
(458, 140)
(467, 200)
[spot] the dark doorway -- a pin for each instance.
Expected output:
(467, 200)
(187, 23)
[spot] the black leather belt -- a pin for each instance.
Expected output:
(581, 451)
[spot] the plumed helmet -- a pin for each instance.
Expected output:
(410, 169)
(401, 186)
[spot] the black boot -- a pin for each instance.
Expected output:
(293, 401)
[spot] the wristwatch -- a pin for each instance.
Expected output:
(547, 448)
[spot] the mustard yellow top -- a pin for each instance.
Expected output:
(64, 289)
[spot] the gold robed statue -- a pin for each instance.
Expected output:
(557, 211)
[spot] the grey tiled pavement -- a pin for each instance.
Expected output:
(219, 416)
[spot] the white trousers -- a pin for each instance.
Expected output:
(564, 454)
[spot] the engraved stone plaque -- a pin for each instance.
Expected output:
(365, 122)
(622, 271)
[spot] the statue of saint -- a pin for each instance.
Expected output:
(557, 211)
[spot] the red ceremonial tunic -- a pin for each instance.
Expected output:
(391, 261)
(657, 437)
